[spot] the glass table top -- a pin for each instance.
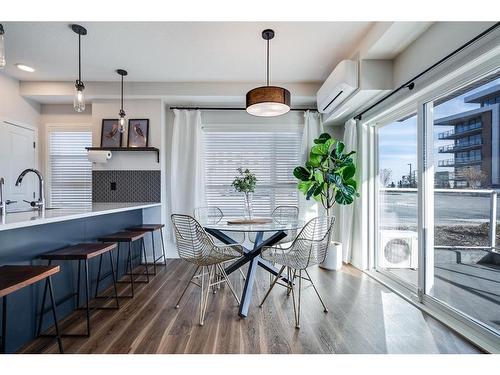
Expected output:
(283, 224)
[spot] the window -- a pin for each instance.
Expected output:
(396, 253)
(464, 269)
(69, 171)
(271, 152)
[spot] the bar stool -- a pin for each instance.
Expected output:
(13, 278)
(128, 237)
(83, 252)
(153, 228)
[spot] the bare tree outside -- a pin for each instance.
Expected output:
(385, 176)
(475, 178)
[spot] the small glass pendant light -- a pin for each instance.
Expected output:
(79, 99)
(268, 101)
(122, 122)
(3, 62)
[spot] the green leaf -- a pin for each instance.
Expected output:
(315, 160)
(321, 149)
(322, 138)
(344, 199)
(353, 183)
(318, 176)
(311, 190)
(349, 171)
(304, 186)
(339, 148)
(302, 173)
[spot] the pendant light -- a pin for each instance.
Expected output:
(2, 47)
(79, 100)
(122, 121)
(268, 101)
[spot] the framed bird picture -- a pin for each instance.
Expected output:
(110, 135)
(138, 132)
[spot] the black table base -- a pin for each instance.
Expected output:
(253, 257)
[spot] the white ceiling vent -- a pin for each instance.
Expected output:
(352, 86)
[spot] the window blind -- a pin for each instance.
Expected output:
(70, 172)
(271, 155)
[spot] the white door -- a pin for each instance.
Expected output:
(17, 152)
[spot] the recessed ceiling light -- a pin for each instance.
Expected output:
(25, 68)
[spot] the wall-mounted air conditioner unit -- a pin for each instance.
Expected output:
(398, 249)
(339, 85)
(352, 86)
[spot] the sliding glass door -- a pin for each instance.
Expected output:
(466, 153)
(397, 237)
(436, 181)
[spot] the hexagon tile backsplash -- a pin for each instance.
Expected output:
(126, 186)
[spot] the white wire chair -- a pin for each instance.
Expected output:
(197, 247)
(308, 249)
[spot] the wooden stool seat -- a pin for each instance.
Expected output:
(125, 236)
(151, 228)
(147, 227)
(13, 278)
(80, 251)
(129, 237)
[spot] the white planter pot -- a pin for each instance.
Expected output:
(333, 259)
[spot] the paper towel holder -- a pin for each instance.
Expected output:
(129, 149)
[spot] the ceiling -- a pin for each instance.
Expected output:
(181, 51)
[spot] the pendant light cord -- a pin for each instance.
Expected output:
(268, 62)
(79, 59)
(122, 95)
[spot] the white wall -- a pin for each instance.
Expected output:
(435, 43)
(138, 109)
(13, 106)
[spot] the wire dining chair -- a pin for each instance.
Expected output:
(282, 215)
(214, 215)
(308, 249)
(197, 247)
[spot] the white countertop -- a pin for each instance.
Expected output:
(26, 219)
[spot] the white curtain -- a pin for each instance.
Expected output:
(187, 180)
(313, 127)
(349, 218)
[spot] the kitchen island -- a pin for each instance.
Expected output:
(24, 236)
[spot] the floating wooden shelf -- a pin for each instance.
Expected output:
(128, 149)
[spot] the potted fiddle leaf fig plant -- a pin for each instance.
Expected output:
(328, 178)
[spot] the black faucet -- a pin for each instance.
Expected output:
(40, 203)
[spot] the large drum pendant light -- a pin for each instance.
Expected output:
(268, 101)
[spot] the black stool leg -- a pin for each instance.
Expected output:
(87, 295)
(143, 246)
(78, 284)
(40, 318)
(54, 314)
(114, 279)
(3, 348)
(163, 248)
(98, 276)
(129, 260)
(154, 253)
(118, 261)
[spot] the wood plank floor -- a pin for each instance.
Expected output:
(364, 317)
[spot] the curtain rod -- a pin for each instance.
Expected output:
(411, 84)
(235, 109)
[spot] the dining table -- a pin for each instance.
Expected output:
(268, 232)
